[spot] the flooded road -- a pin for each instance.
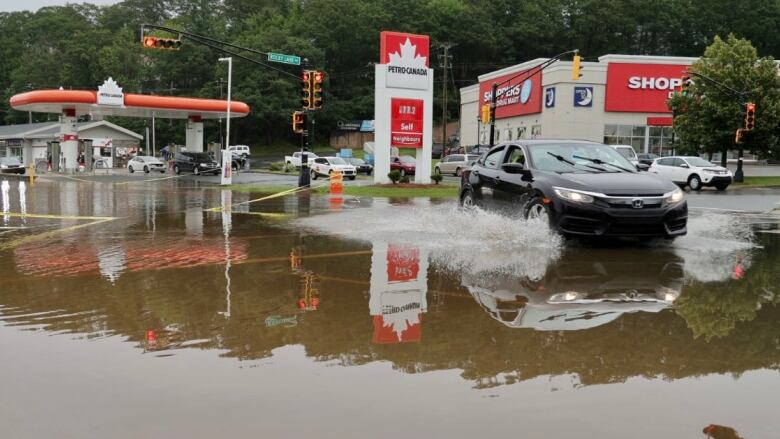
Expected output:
(148, 310)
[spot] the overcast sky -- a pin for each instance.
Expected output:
(34, 5)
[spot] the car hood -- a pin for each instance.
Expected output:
(614, 183)
(342, 167)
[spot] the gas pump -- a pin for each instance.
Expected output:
(53, 150)
(89, 153)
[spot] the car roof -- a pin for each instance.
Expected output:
(532, 142)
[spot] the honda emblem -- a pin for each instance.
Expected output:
(637, 203)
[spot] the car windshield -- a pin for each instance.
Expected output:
(146, 158)
(357, 161)
(10, 161)
(626, 152)
(543, 157)
(698, 161)
(472, 158)
(337, 161)
(406, 159)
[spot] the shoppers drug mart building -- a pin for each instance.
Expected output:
(621, 99)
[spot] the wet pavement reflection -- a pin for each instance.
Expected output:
(202, 313)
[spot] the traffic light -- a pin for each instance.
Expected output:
(686, 82)
(150, 42)
(485, 114)
(298, 121)
(575, 68)
(740, 135)
(750, 116)
(317, 79)
(306, 94)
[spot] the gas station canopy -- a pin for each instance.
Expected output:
(125, 104)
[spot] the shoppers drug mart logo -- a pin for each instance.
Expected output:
(406, 60)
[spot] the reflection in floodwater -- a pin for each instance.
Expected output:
(501, 301)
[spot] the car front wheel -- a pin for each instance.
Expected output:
(130, 168)
(146, 169)
(538, 211)
(467, 200)
(694, 182)
(176, 169)
(313, 175)
(196, 170)
(457, 172)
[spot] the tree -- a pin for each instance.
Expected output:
(708, 115)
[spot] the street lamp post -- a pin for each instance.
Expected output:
(226, 177)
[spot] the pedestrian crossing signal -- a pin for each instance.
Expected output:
(298, 121)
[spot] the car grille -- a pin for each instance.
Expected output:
(580, 225)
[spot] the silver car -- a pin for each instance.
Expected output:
(454, 163)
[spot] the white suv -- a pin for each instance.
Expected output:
(628, 152)
(240, 150)
(692, 171)
(326, 165)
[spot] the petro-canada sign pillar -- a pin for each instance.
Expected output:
(403, 103)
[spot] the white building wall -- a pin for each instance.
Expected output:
(469, 102)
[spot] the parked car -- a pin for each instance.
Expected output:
(360, 165)
(240, 150)
(577, 188)
(145, 163)
(11, 165)
(195, 162)
(694, 172)
(326, 165)
(628, 152)
(404, 164)
(453, 164)
(295, 158)
(646, 159)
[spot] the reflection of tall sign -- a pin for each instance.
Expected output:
(110, 93)
(406, 124)
(399, 283)
(403, 103)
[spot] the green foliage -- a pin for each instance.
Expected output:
(394, 176)
(278, 166)
(405, 179)
(707, 117)
(437, 177)
(80, 45)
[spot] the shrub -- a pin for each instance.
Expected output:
(289, 168)
(405, 179)
(437, 178)
(394, 176)
(277, 166)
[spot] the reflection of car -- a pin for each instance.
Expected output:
(146, 164)
(360, 165)
(240, 150)
(326, 165)
(584, 289)
(403, 164)
(195, 162)
(453, 164)
(11, 165)
(628, 152)
(646, 159)
(578, 188)
(692, 171)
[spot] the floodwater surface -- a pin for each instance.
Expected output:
(176, 309)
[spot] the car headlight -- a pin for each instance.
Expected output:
(667, 294)
(568, 296)
(203, 165)
(3, 166)
(675, 196)
(571, 195)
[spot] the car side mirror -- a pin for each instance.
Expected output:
(684, 166)
(513, 168)
(642, 167)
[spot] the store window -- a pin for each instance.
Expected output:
(661, 141)
(633, 135)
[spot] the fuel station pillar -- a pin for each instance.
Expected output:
(194, 134)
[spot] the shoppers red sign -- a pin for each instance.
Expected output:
(403, 264)
(642, 88)
(406, 123)
(518, 93)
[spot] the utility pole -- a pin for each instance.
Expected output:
(444, 65)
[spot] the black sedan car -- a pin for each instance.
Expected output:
(579, 188)
(195, 162)
(360, 165)
(11, 165)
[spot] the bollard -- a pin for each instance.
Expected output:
(336, 183)
(32, 174)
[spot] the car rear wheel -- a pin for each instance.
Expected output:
(457, 172)
(694, 182)
(538, 211)
(146, 169)
(130, 168)
(467, 200)
(313, 175)
(196, 170)
(176, 169)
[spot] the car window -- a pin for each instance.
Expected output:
(493, 160)
(698, 161)
(677, 162)
(321, 161)
(516, 155)
(665, 162)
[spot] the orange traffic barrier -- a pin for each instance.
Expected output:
(336, 182)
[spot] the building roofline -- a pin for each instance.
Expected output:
(647, 59)
(98, 123)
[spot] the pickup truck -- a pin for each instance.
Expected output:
(295, 159)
